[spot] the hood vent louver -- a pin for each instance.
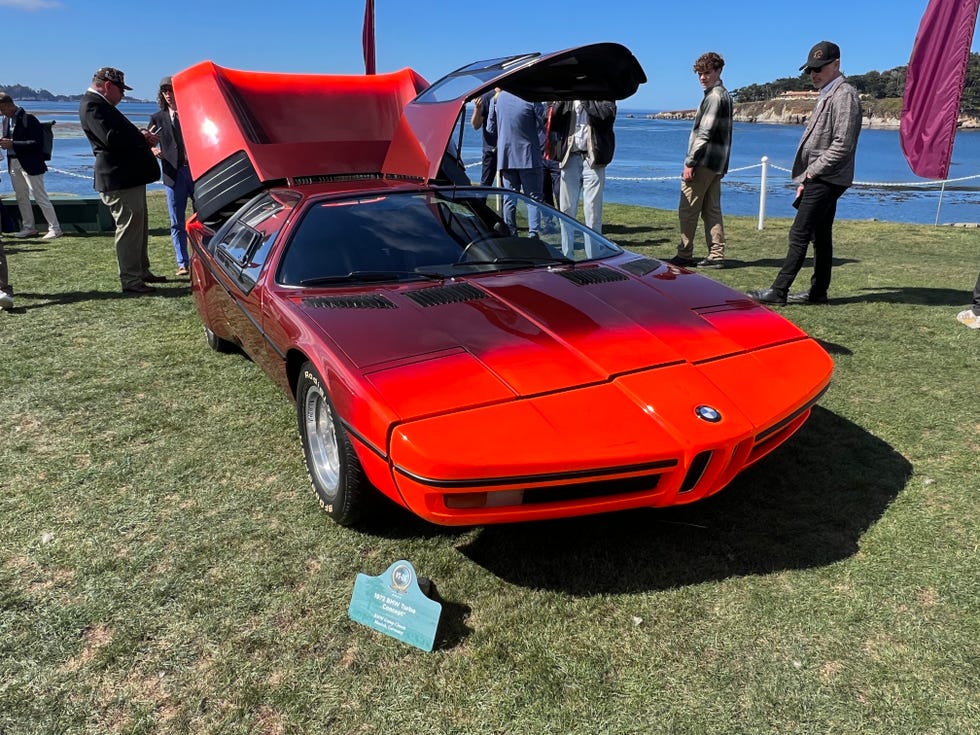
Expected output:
(442, 295)
(592, 276)
(331, 178)
(641, 266)
(370, 301)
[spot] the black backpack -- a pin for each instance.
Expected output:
(47, 139)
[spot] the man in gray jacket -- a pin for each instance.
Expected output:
(823, 169)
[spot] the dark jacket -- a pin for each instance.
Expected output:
(602, 141)
(171, 149)
(25, 132)
(122, 156)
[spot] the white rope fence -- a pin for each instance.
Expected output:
(764, 165)
(69, 173)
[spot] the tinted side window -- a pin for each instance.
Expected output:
(243, 246)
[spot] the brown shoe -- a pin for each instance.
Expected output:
(150, 278)
(181, 272)
(139, 289)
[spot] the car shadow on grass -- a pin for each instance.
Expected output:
(806, 505)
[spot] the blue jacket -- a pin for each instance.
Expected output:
(519, 127)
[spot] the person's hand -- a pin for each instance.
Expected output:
(687, 174)
(157, 152)
(151, 138)
(6, 143)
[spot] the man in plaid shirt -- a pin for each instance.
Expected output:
(708, 151)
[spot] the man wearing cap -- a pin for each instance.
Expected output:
(823, 169)
(124, 165)
(176, 173)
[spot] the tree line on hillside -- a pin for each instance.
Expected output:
(878, 85)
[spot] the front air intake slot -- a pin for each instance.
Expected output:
(641, 266)
(350, 302)
(440, 296)
(591, 276)
(696, 470)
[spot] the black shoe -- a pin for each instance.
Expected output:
(150, 278)
(140, 289)
(708, 263)
(767, 296)
(682, 261)
(804, 297)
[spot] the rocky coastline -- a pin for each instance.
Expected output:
(796, 112)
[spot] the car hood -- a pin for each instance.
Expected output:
(431, 349)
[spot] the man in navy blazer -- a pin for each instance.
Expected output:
(176, 173)
(124, 165)
(22, 136)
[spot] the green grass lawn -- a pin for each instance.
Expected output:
(165, 568)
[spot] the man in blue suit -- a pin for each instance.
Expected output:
(519, 127)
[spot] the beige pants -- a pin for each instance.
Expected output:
(27, 186)
(128, 208)
(701, 198)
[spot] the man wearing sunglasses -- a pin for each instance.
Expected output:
(823, 170)
(124, 165)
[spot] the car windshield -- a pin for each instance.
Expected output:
(430, 234)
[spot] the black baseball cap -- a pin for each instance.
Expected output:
(821, 55)
(108, 74)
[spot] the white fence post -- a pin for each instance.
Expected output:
(762, 192)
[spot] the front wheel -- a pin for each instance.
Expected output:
(335, 471)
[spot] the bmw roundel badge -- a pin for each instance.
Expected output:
(709, 414)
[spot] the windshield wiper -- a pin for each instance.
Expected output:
(370, 277)
(526, 262)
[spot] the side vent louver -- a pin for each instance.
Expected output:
(439, 296)
(641, 266)
(350, 302)
(591, 276)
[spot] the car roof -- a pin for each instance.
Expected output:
(247, 130)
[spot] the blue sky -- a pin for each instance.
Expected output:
(57, 44)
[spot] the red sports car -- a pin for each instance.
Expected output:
(469, 373)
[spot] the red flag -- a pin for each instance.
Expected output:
(367, 37)
(934, 85)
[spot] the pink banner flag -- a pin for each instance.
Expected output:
(934, 85)
(367, 37)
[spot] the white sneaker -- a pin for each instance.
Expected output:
(52, 234)
(26, 233)
(6, 301)
(968, 318)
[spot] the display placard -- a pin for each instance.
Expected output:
(393, 604)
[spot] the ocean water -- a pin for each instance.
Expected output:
(647, 165)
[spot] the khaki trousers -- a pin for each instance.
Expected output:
(128, 208)
(701, 197)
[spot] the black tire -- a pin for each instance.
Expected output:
(216, 343)
(334, 469)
